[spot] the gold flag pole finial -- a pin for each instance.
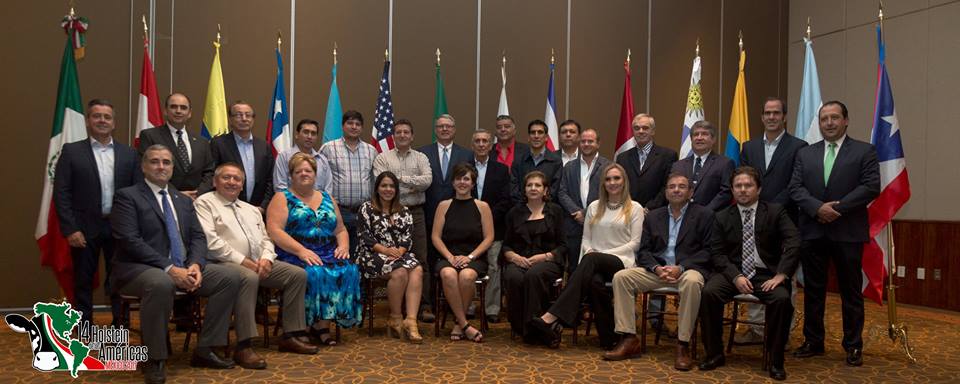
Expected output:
(217, 42)
(386, 55)
(438, 56)
(552, 59)
(334, 53)
(143, 19)
(698, 47)
(740, 43)
(73, 13)
(628, 56)
(279, 39)
(881, 14)
(503, 58)
(808, 27)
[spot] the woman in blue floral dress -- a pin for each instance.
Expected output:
(306, 226)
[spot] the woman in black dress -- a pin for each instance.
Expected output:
(462, 232)
(533, 248)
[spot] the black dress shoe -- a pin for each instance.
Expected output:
(493, 319)
(549, 333)
(808, 350)
(777, 373)
(154, 371)
(712, 363)
(206, 358)
(854, 357)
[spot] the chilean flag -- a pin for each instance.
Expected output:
(279, 137)
(894, 183)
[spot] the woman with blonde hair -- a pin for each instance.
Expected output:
(611, 236)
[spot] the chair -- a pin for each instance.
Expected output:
(268, 296)
(127, 302)
(586, 316)
(646, 314)
(373, 289)
(735, 319)
(481, 285)
(556, 287)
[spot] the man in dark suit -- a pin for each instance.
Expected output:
(673, 253)
(508, 149)
(443, 154)
(579, 176)
(709, 173)
(493, 187)
(537, 158)
(833, 182)
(192, 161)
(647, 164)
(88, 173)
(772, 156)
(755, 248)
(161, 249)
(241, 147)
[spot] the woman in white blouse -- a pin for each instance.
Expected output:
(611, 237)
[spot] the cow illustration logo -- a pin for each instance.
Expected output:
(51, 331)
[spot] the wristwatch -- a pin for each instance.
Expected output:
(470, 256)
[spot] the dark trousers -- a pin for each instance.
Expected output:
(846, 258)
(86, 263)
(573, 252)
(421, 237)
(588, 281)
(528, 292)
(779, 313)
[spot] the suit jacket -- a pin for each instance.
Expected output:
(647, 184)
(224, 149)
(518, 150)
(76, 186)
(441, 188)
(200, 177)
(567, 193)
(496, 192)
(141, 234)
(523, 164)
(854, 182)
(775, 235)
(712, 189)
(693, 241)
(520, 242)
(775, 176)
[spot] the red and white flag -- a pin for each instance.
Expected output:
(625, 128)
(148, 106)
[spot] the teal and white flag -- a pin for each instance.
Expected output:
(808, 126)
(332, 124)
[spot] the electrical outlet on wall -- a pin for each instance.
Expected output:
(936, 274)
(901, 271)
(921, 273)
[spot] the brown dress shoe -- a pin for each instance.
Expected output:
(627, 348)
(249, 359)
(684, 362)
(295, 345)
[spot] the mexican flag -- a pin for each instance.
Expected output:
(68, 126)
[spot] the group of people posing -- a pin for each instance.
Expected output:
(220, 219)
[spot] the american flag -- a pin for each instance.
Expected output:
(382, 135)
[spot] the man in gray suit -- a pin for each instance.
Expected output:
(580, 186)
(192, 161)
(160, 250)
(708, 172)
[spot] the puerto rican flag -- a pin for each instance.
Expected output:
(894, 183)
(382, 135)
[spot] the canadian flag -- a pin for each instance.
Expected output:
(148, 107)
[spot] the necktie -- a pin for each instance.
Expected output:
(643, 158)
(173, 232)
(182, 151)
(828, 161)
(749, 245)
(697, 166)
(253, 249)
(444, 162)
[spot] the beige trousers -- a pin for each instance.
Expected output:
(632, 281)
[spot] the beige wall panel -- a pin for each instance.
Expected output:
(360, 30)
(601, 33)
(420, 28)
(527, 30)
(826, 16)
(940, 133)
(860, 81)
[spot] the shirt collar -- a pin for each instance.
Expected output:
(683, 211)
(751, 206)
(448, 147)
(646, 147)
(775, 141)
(97, 144)
(156, 188)
(240, 139)
(224, 201)
(839, 141)
(481, 163)
(173, 130)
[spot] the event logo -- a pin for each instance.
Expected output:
(51, 330)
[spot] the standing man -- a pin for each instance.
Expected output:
(507, 148)
(833, 182)
(569, 141)
(307, 132)
(647, 164)
(237, 239)
(88, 173)
(772, 156)
(708, 172)
(414, 174)
(443, 155)
(580, 186)
(160, 250)
(241, 147)
(755, 249)
(537, 158)
(674, 252)
(192, 160)
(493, 187)
(351, 163)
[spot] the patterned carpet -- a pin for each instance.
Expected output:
(934, 335)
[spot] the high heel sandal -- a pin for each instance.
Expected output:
(477, 337)
(410, 330)
(322, 336)
(394, 326)
(550, 333)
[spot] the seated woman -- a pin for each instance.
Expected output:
(306, 226)
(462, 232)
(611, 236)
(533, 248)
(384, 228)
